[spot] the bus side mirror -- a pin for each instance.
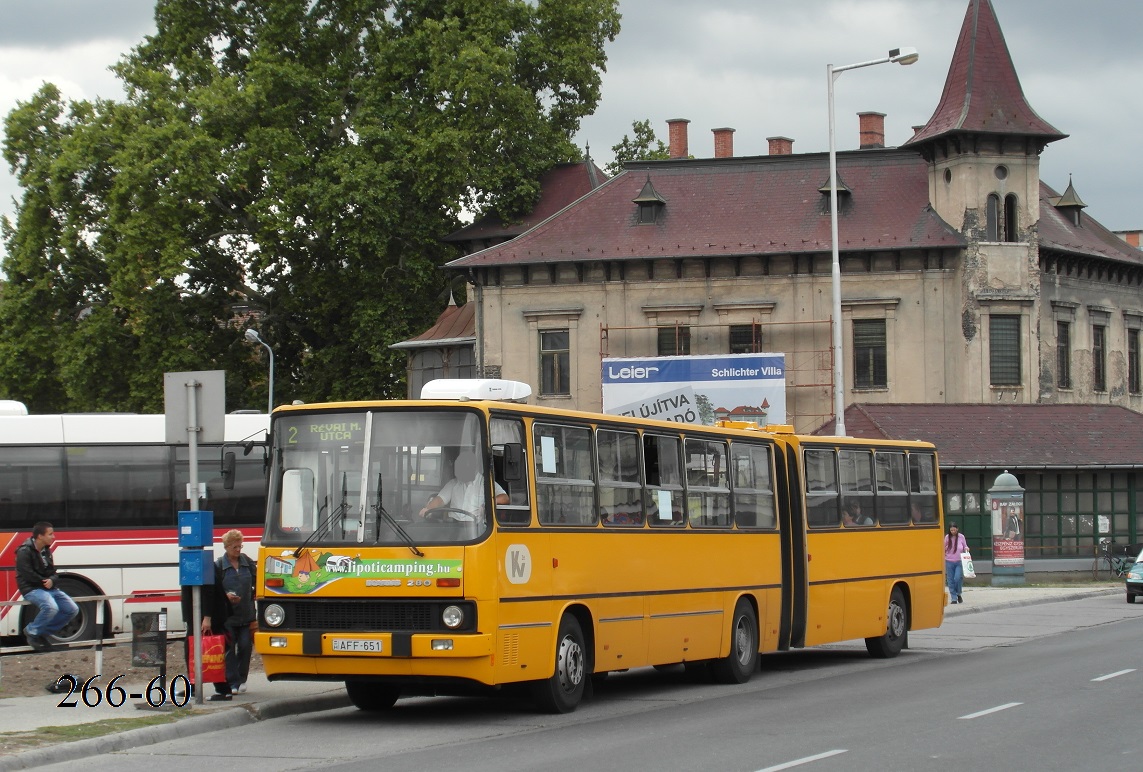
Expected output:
(228, 471)
(513, 462)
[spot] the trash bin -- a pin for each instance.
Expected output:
(149, 640)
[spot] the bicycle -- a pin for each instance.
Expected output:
(1118, 557)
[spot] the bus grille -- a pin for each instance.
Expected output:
(340, 615)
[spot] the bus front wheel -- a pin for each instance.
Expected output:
(896, 629)
(737, 666)
(371, 696)
(563, 691)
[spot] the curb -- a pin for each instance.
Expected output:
(957, 609)
(191, 725)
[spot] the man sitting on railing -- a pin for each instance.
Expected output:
(37, 580)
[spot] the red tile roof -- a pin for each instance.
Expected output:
(1088, 238)
(455, 325)
(560, 186)
(982, 92)
(1008, 436)
(740, 206)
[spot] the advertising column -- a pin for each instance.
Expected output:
(1006, 501)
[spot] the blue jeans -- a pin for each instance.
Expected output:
(238, 650)
(954, 578)
(56, 610)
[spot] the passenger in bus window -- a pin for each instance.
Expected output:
(853, 516)
(465, 492)
(37, 579)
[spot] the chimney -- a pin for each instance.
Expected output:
(781, 145)
(723, 143)
(872, 130)
(677, 128)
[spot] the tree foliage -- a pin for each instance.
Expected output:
(287, 164)
(644, 146)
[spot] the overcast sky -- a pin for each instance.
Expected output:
(757, 66)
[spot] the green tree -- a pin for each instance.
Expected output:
(645, 146)
(289, 161)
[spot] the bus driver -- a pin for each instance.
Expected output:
(465, 491)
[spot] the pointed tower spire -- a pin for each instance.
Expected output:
(982, 91)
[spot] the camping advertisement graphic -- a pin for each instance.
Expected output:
(697, 389)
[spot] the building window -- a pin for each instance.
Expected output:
(1098, 358)
(555, 363)
(745, 338)
(992, 218)
(1004, 350)
(1010, 220)
(1063, 355)
(869, 360)
(1133, 384)
(674, 341)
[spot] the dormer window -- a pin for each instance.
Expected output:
(650, 203)
(1070, 205)
(842, 191)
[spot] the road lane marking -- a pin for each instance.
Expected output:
(1109, 676)
(806, 760)
(997, 709)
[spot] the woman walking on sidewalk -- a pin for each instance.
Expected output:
(955, 544)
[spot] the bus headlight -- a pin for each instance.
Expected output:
(274, 615)
(453, 617)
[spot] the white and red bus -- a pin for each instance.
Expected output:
(112, 489)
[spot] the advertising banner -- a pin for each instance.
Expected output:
(1008, 529)
(697, 389)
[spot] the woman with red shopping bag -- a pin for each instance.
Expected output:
(218, 634)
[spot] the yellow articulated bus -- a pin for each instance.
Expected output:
(467, 540)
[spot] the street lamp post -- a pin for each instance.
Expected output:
(253, 336)
(900, 56)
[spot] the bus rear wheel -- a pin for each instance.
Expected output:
(739, 665)
(371, 696)
(896, 629)
(563, 691)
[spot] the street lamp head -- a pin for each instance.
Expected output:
(906, 55)
(252, 335)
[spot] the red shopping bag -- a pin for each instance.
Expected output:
(213, 659)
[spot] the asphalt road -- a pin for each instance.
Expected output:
(1047, 687)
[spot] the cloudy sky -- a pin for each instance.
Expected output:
(755, 65)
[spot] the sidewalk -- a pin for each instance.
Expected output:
(265, 700)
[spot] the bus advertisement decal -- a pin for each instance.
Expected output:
(313, 569)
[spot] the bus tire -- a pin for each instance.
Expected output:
(896, 633)
(371, 696)
(82, 626)
(562, 692)
(739, 665)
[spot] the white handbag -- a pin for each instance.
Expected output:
(966, 565)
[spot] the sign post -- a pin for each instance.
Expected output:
(194, 403)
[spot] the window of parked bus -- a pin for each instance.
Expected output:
(753, 487)
(892, 488)
(923, 487)
(620, 488)
(662, 464)
(565, 477)
(708, 486)
(821, 488)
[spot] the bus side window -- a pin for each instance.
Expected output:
(821, 489)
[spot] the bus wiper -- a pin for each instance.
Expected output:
(380, 509)
(325, 524)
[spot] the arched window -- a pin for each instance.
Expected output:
(1011, 220)
(992, 218)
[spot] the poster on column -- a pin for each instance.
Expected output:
(697, 389)
(1007, 530)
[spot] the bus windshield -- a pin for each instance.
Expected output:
(395, 476)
